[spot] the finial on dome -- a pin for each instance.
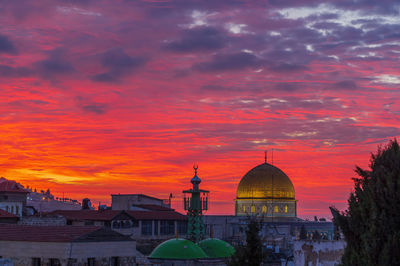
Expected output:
(195, 167)
(265, 156)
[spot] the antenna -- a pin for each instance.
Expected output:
(272, 156)
(265, 156)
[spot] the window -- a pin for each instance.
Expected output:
(89, 222)
(146, 228)
(156, 228)
(114, 261)
(253, 209)
(91, 261)
(167, 227)
(264, 209)
(244, 208)
(286, 208)
(12, 209)
(7, 209)
(17, 210)
(54, 262)
(35, 261)
(135, 223)
(276, 208)
(182, 227)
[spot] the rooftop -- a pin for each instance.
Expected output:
(4, 214)
(11, 186)
(109, 215)
(11, 232)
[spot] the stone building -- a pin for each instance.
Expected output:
(12, 197)
(132, 201)
(318, 253)
(66, 245)
(146, 224)
(8, 218)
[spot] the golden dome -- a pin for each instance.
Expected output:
(265, 181)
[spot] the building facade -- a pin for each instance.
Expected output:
(66, 245)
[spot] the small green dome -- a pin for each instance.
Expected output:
(216, 248)
(178, 249)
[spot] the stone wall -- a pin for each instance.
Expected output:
(71, 254)
(318, 253)
(43, 221)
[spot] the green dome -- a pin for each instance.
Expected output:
(216, 248)
(178, 249)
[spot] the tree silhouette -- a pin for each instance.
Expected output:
(371, 225)
(303, 233)
(251, 253)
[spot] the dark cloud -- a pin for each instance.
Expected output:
(118, 64)
(55, 65)
(287, 67)
(89, 106)
(230, 62)
(198, 39)
(6, 46)
(286, 86)
(96, 108)
(345, 85)
(14, 72)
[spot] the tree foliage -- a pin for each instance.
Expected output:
(251, 253)
(303, 233)
(371, 225)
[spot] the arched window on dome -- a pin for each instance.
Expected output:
(286, 208)
(276, 208)
(264, 209)
(253, 209)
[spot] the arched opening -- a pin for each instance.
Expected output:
(286, 208)
(264, 209)
(253, 209)
(276, 208)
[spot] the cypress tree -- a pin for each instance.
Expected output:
(371, 225)
(303, 233)
(251, 253)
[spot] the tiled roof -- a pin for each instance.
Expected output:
(10, 232)
(11, 186)
(4, 214)
(157, 215)
(153, 207)
(108, 215)
(93, 215)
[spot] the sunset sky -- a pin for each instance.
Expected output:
(103, 97)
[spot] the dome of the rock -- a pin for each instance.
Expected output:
(265, 181)
(266, 190)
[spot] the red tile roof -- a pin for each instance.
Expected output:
(157, 215)
(10, 232)
(92, 215)
(4, 214)
(11, 186)
(108, 215)
(153, 207)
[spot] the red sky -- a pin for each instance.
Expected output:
(102, 97)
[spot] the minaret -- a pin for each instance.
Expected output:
(195, 204)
